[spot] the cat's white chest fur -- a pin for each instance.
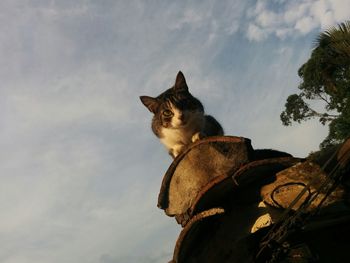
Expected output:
(175, 139)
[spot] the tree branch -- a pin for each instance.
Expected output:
(321, 115)
(324, 99)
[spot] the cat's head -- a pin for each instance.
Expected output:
(176, 106)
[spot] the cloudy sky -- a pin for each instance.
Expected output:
(80, 169)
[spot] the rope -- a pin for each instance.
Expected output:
(272, 195)
(279, 232)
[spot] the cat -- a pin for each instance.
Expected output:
(179, 117)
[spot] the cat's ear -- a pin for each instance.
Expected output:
(150, 103)
(180, 82)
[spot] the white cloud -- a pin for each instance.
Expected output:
(192, 18)
(292, 14)
(283, 33)
(305, 25)
(256, 33)
(103, 99)
(340, 8)
(267, 18)
(290, 18)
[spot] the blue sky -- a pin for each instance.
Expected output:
(80, 169)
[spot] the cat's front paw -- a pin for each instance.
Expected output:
(197, 136)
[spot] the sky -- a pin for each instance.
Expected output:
(80, 169)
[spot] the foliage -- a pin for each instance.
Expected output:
(325, 78)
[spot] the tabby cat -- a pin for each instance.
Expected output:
(179, 117)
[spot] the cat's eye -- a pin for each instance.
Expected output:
(167, 113)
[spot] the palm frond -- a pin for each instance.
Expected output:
(338, 34)
(335, 42)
